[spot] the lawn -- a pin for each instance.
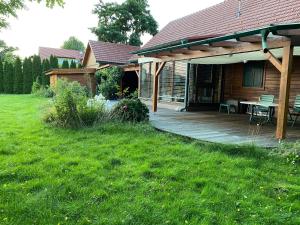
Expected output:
(133, 174)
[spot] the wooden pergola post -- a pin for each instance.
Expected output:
(158, 69)
(284, 92)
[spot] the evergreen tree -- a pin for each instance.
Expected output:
(65, 64)
(8, 78)
(1, 77)
(37, 69)
(18, 77)
(79, 66)
(46, 67)
(53, 62)
(27, 76)
(73, 64)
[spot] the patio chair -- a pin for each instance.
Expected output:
(228, 105)
(294, 111)
(264, 110)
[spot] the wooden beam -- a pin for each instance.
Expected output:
(284, 92)
(225, 44)
(276, 62)
(251, 39)
(159, 69)
(155, 89)
(200, 48)
(217, 51)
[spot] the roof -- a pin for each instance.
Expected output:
(222, 19)
(45, 53)
(71, 71)
(111, 53)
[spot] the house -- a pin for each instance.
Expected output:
(61, 55)
(238, 49)
(100, 55)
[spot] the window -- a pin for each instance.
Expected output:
(253, 74)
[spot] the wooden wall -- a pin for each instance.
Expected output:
(234, 89)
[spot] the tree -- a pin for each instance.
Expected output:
(73, 65)
(124, 23)
(18, 77)
(73, 44)
(36, 69)
(9, 8)
(27, 76)
(65, 64)
(8, 78)
(7, 52)
(1, 77)
(45, 68)
(53, 62)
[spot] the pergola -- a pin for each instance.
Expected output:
(268, 43)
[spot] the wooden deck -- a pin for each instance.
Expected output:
(218, 127)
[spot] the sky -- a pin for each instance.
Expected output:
(40, 26)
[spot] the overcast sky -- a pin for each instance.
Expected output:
(39, 26)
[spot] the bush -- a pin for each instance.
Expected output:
(131, 110)
(109, 80)
(41, 90)
(290, 151)
(70, 108)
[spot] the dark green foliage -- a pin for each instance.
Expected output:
(125, 22)
(1, 77)
(73, 65)
(18, 76)
(27, 76)
(6, 52)
(53, 62)
(37, 69)
(131, 110)
(65, 64)
(45, 67)
(8, 78)
(74, 43)
(109, 80)
(79, 66)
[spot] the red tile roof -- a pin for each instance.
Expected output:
(112, 53)
(45, 53)
(222, 19)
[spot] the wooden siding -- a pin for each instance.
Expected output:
(234, 82)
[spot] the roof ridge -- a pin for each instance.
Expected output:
(112, 43)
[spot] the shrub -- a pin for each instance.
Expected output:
(70, 108)
(290, 151)
(41, 90)
(132, 110)
(109, 79)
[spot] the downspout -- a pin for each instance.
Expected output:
(264, 40)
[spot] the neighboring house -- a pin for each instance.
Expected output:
(99, 55)
(61, 54)
(232, 50)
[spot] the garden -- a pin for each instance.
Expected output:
(109, 170)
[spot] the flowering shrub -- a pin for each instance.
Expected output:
(132, 110)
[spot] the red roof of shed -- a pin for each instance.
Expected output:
(45, 53)
(222, 19)
(112, 53)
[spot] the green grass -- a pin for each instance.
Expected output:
(132, 174)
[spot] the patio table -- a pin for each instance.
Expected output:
(253, 104)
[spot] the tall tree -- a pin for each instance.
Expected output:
(18, 77)
(8, 78)
(36, 69)
(1, 77)
(9, 8)
(46, 67)
(27, 76)
(53, 62)
(65, 64)
(73, 64)
(73, 43)
(7, 52)
(124, 23)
